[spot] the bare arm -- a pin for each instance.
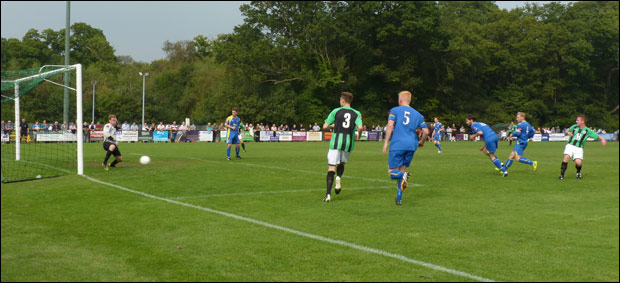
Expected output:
(388, 135)
(424, 135)
(603, 141)
(359, 132)
(327, 126)
(472, 137)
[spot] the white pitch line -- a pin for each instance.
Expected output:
(299, 233)
(273, 192)
(287, 169)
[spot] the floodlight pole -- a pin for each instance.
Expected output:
(94, 84)
(143, 91)
(65, 116)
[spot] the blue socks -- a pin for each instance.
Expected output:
(522, 160)
(237, 150)
(497, 163)
(228, 152)
(526, 161)
(395, 174)
(507, 164)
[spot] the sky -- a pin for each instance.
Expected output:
(138, 29)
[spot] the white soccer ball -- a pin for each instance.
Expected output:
(145, 160)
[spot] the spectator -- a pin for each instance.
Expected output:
(161, 126)
(294, 129)
(36, 127)
(215, 131)
(73, 128)
(192, 127)
(152, 128)
(85, 132)
(9, 127)
(3, 126)
(181, 132)
(145, 127)
(449, 133)
(273, 127)
(44, 126)
(302, 128)
(173, 131)
(56, 126)
(462, 129)
(257, 134)
(125, 126)
(98, 126)
(64, 127)
(316, 127)
(134, 127)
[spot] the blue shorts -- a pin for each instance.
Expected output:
(491, 145)
(437, 137)
(397, 158)
(232, 139)
(520, 148)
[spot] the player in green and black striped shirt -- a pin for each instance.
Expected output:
(344, 120)
(579, 134)
(511, 129)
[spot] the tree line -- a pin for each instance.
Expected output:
(289, 61)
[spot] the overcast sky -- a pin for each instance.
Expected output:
(137, 29)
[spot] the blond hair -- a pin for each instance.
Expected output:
(405, 95)
(522, 114)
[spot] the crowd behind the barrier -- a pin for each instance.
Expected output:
(29, 130)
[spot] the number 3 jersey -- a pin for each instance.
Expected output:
(345, 120)
(406, 121)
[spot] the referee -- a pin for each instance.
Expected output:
(110, 144)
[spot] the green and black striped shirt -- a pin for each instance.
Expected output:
(580, 136)
(345, 120)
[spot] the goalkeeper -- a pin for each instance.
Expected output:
(110, 144)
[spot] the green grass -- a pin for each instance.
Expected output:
(463, 216)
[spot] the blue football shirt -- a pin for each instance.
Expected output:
(487, 132)
(233, 122)
(524, 129)
(406, 121)
(437, 128)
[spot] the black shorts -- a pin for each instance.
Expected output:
(106, 146)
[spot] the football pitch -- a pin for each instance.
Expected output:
(191, 215)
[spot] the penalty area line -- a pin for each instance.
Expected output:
(299, 233)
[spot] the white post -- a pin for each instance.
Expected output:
(80, 120)
(16, 125)
(143, 91)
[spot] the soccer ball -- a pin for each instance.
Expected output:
(145, 160)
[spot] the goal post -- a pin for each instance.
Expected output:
(22, 82)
